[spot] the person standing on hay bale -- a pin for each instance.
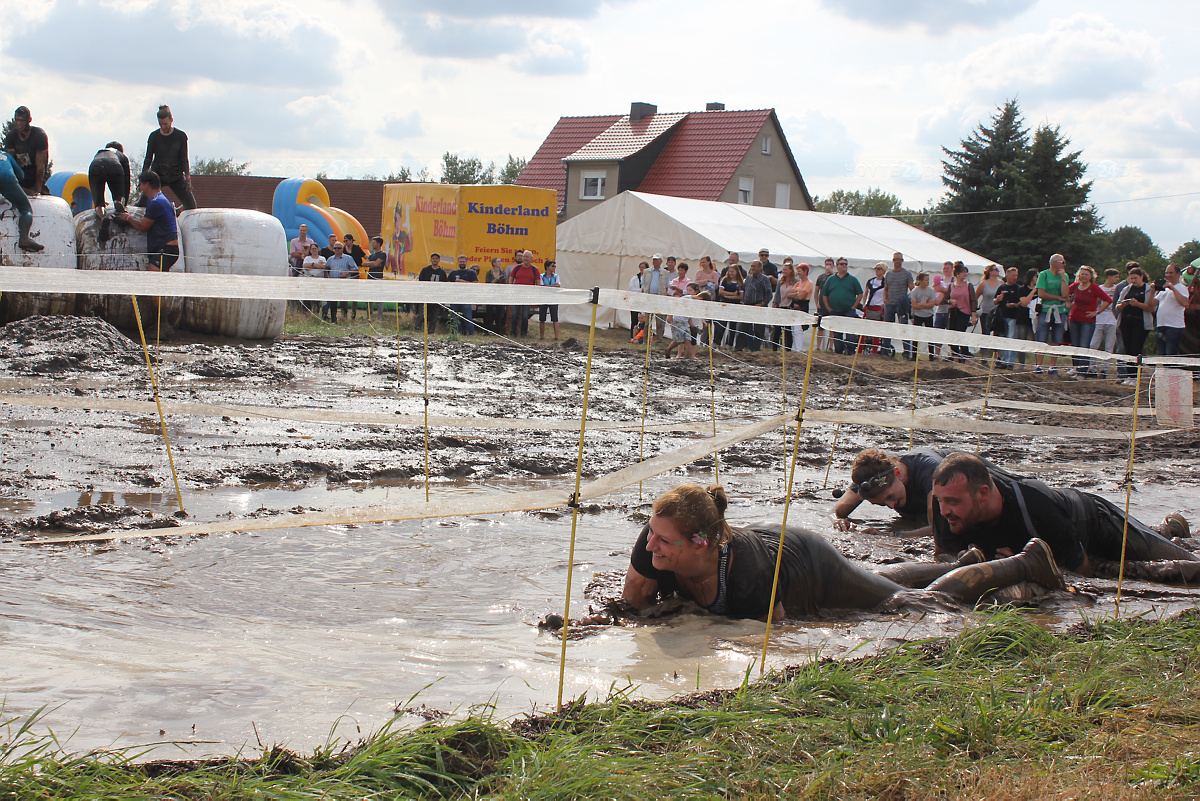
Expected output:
(689, 550)
(971, 507)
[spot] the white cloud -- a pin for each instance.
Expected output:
(935, 16)
(821, 144)
(553, 49)
(1085, 57)
(172, 44)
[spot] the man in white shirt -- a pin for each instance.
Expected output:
(1169, 306)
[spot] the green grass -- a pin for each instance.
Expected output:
(1109, 710)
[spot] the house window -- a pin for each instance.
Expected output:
(591, 185)
(766, 151)
(783, 196)
(745, 190)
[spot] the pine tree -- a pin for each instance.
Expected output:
(1066, 223)
(1015, 202)
(983, 177)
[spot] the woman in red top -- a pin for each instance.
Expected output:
(523, 274)
(1087, 300)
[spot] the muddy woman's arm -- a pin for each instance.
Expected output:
(638, 589)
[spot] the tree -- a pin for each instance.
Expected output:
(1067, 223)
(407, 176)
(459, 170)
(1127, 242)
(512, 170)
(219, 167)
(1187, 253)
(1016, 202)
(875, 203)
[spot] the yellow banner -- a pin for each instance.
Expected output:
(478, 222)
(496, 220)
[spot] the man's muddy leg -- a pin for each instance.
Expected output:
(970, 583)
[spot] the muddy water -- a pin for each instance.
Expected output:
(298, 631)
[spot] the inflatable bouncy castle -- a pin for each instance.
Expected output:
(72, 187)
(305, 200)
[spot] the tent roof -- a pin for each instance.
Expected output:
(647, 223)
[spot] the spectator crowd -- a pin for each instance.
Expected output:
(1115, 312)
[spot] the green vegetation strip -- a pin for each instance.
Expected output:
(1107, 710)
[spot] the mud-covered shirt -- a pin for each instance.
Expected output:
(920, 464)
(1052, 513)
(813, 575)
(167, 155)
(25, 151)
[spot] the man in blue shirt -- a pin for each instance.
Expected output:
(339, 265)
(158, 223)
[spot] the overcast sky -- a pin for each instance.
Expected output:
(868, 91)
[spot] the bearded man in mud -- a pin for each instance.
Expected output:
(971, 507)
(689, 550)
(901, 483)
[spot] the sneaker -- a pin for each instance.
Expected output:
(1130, 382)
(1041, 565)
(1053, 372)
(1037, 369)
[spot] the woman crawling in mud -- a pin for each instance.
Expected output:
(688, 549)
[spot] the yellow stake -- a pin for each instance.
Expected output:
(787, 500)
(913, 411)
(712, 393)
(842, 405)
(587, 377)
(162, 422)
(645, 390)
(986, 392)
(425, 325)
(1137, 396)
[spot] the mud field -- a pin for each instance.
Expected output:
(281, 636)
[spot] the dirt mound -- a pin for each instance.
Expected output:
(242, 366)
(95, 519)
(46, 345)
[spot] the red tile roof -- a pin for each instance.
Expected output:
(699, 160)
(361, 199)
(624, 138)
(545, 169)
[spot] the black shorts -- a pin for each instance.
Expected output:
(163, 259)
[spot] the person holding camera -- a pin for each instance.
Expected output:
(1169, 303)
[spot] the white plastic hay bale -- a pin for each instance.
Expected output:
(234, 242)
(54, 230)
(124, 249)
(1173, 396)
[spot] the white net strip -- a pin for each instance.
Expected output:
(456, 506)
(213, 285)
(347, 418)
(261, 287)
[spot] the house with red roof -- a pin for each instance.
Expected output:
(730, 156)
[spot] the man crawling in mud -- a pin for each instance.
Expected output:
(971, 505)
(901, 482)
(689, 550)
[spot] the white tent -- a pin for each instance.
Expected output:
(602, 246)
